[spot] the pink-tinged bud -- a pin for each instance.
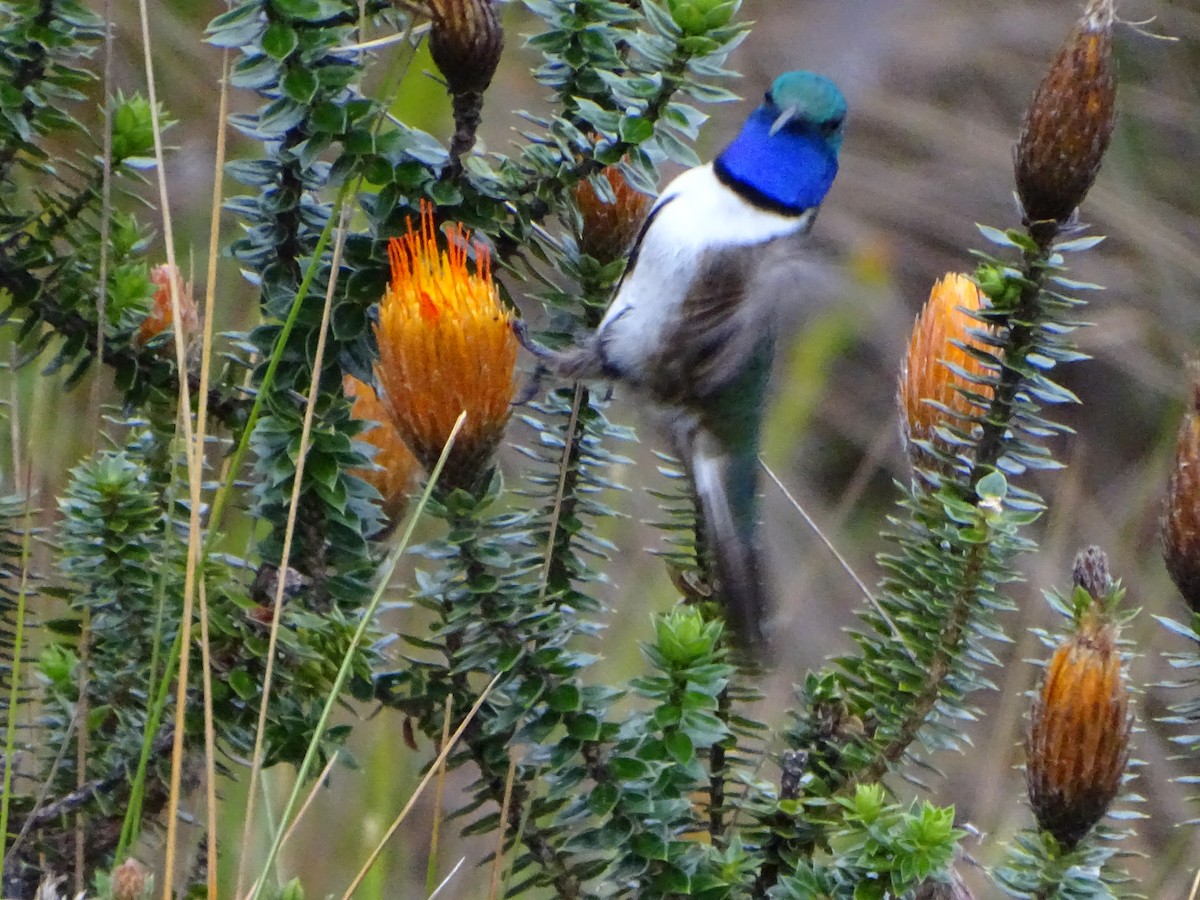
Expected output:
(1090, 572)
(1181, 518)
(1078, 743)
(160, 317)
(465, 40)
(1069, 122)
(130, 880)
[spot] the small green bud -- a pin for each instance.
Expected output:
(995, 283)
(293, 890)
(133, 128)
(57, 664)
(684, 637)
(698, 17)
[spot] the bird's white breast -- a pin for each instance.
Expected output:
(695, 215)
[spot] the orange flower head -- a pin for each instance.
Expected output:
(1181, 516)
(397, 467)
(159, 318)
(609, 228)
(1078, 743)
(932, 380)
(446, 345)
(1069, 123)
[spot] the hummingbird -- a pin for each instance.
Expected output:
(694, 320)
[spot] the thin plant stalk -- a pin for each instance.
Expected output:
(435, 835)
(502, 830)
(10, 725)
(437, 764)
(288, 535)
(207, 311)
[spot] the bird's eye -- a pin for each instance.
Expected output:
(830, 126)
(767, 98)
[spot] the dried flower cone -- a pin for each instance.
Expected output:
(1181, 518)
(1069, 122)
(397, 465)
(465, 40)
(1090, 572)
(446, 346)
(1078, 742)
(610, 228)
(160, 317)
(931, 377)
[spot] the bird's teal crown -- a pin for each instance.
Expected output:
(786, 155)
(812, 100)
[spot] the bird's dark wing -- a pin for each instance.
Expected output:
(738, 297)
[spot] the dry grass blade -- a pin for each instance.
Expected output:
(431, 870)
(502, 830)
(207, 310)
(368, 614)
(842, 561)
(288, 535)
(445, 881)
(1195, 886)
(433, 770)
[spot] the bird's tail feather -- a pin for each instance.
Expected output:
(725, 486)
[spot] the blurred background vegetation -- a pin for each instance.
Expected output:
(936, 89)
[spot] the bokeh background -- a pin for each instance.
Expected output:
(937, 89)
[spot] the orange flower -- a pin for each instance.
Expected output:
(397, 465)
(1181, 518)
(159, 318)
(609, 228)
(1069, 123)
(445, 345)
(931, 377)
(1078, 742)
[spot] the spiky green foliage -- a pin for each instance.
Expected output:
(660, 786)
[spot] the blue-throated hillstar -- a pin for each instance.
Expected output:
(694, 319)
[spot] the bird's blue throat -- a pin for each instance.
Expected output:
(788, 172)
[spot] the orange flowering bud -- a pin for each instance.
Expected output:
(159, 318)
(397, 465)
(610, 228)
(129, 881)
(446, 345)
(1078, 741)
(932, 377)
(1181, 518)
(465, 40)
(1069, 121)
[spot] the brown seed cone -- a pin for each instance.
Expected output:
(128, 880)
(465, 40)
(1090, 572)
(1181, 517)
(931, 383)
(1078, 742)
(1069, 122)
(610, 228)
